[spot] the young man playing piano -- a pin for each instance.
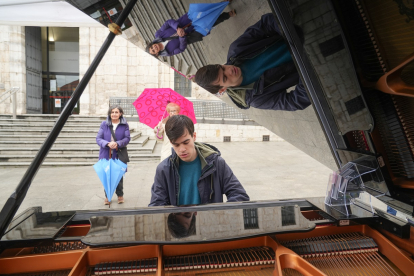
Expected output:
(258, 72)
(194, 173)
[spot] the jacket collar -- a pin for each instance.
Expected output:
(122, 121)
(205, 151)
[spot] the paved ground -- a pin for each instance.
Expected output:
(267, 170)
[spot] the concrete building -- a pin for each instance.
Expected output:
(46, 55)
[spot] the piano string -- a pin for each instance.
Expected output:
(351, 252)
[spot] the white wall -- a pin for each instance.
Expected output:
(13, 66)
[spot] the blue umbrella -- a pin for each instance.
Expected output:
(110, 173)
(203, 16)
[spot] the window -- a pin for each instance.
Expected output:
(182, 85)
(288, 215)
(226, 138)
(266, 138)
(250, 217)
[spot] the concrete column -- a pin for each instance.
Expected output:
(13, 66)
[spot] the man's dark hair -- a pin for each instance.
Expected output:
(205, 77)
(113, 107)
(178, 230)
(176, 126)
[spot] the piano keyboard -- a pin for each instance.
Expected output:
(221, 259)
(351, 252)
(137, 266)
(59, 246)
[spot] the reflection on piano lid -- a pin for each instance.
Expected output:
(34, 225)
(194, 224)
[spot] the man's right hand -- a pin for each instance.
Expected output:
(180, 32)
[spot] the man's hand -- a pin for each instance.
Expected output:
(180, 32)
(112, 145)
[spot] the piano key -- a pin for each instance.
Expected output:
(97, 270)
(186, 263)
(261, 256)
(106, 268)
(191, 261)
(204, 261)
(226, 262)
(180, 263)
(154, 264)
(134, 266)
(129, 268)
(121, 267)
(167, 264)
(117, 264)
(198, 261)
(231, 258)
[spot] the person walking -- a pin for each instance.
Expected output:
(159, 130)
(115, 125)
(174, 35)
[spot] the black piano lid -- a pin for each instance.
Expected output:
(198, 224)
(34, 228)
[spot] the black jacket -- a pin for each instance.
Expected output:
(269, 92)
(216, 179)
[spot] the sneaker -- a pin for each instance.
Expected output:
(120, 199)
(106, 201)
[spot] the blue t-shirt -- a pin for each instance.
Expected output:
(190, 173)
(272, 57)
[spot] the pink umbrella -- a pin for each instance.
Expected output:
(152, 102)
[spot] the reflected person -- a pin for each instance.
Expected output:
(258, 72)
(194, 173)
(174, 35)
(159, 130)
(182, 225)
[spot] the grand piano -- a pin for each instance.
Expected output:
(357, 64)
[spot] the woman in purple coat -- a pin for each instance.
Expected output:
(174, 36)
(106, 141)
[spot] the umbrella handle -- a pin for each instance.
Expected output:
(157, 134)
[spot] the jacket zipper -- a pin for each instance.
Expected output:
(179, 180)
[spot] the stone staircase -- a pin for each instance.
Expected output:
(21, 139)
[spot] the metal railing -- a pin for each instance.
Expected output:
(12, 92)
(205, 111)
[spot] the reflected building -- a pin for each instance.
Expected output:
(208, 225)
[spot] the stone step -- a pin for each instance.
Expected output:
(59, 143)
(71, 164)
(94, 150)
(135, 159)
(48, 122)
(72, 126)
(86, 137)
(70, 157)
(64, 132)
(53, 117)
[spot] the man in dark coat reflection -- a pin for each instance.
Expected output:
(258, 72)
(195, 173)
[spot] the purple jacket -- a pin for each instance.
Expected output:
(174, 46)
(104, 137)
